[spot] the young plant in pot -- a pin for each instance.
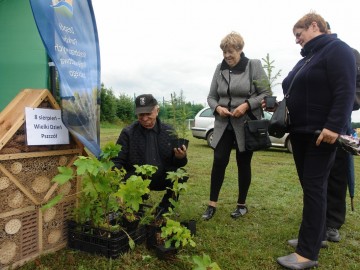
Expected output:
(99, 183)
(179, 187)
(174, 236)
(154, 217)
(178, 179)
(105, 200)
(173, 233)
(179, 116)
(131, 195)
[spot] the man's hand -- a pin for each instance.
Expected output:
(180, 153)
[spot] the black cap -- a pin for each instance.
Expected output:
(145, 103)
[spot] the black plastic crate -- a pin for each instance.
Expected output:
(140, 234)
(101, 241)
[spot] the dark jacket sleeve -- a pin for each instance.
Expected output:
(179, 162)
(342, 77)
(121, 161)
(357, 91)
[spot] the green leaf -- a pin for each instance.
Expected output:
(131, 192)
(204, 263)
(214, 266)
(91, 191)
(65, 174)
(145, 170)
(177, 175)
(131, 244)
(52, 202)
(146, 257)
(175, 233)
(110, 150)
(87, 165)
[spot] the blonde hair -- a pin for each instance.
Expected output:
(234, 40)
(308, 19)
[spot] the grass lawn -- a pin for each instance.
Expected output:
(251, 242)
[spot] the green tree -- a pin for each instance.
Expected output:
(108, 105)
(125, 110)
(194, 109)
(269, 69)
(178, 104)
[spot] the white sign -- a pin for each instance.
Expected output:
(44, 127)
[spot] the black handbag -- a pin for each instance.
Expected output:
(256, 134)
(256, 131)
(280, 121)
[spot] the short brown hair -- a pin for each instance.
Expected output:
(308, 19)
(234, 40)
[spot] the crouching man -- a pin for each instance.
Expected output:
(148, 141)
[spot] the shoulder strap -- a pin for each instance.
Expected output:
(249, 113)
(297, 73)
(250, 79)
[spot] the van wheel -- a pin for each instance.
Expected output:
(209, 138)
(288, 145)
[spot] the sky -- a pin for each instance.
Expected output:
(166, 46)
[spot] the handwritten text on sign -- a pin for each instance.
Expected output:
(44, 127)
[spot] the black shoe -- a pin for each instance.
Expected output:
(240, 211)
(332, 234)
(209, 212)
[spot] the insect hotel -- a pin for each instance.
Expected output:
(26, 231)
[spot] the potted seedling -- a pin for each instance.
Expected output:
(169, 234)
(131, 193)
(179, 186)
(154, 218)
(105, 201)
(174, 236)
(269, 81)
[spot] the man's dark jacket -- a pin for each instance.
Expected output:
(322, 94)
(133, 144)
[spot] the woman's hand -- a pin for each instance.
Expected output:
(327, 136)
(223, 112)
(263, 105)
(241, 110)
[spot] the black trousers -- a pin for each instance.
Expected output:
(221, 160)
(337, 188)
(313, 165)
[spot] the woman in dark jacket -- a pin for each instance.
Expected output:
(321, 99)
